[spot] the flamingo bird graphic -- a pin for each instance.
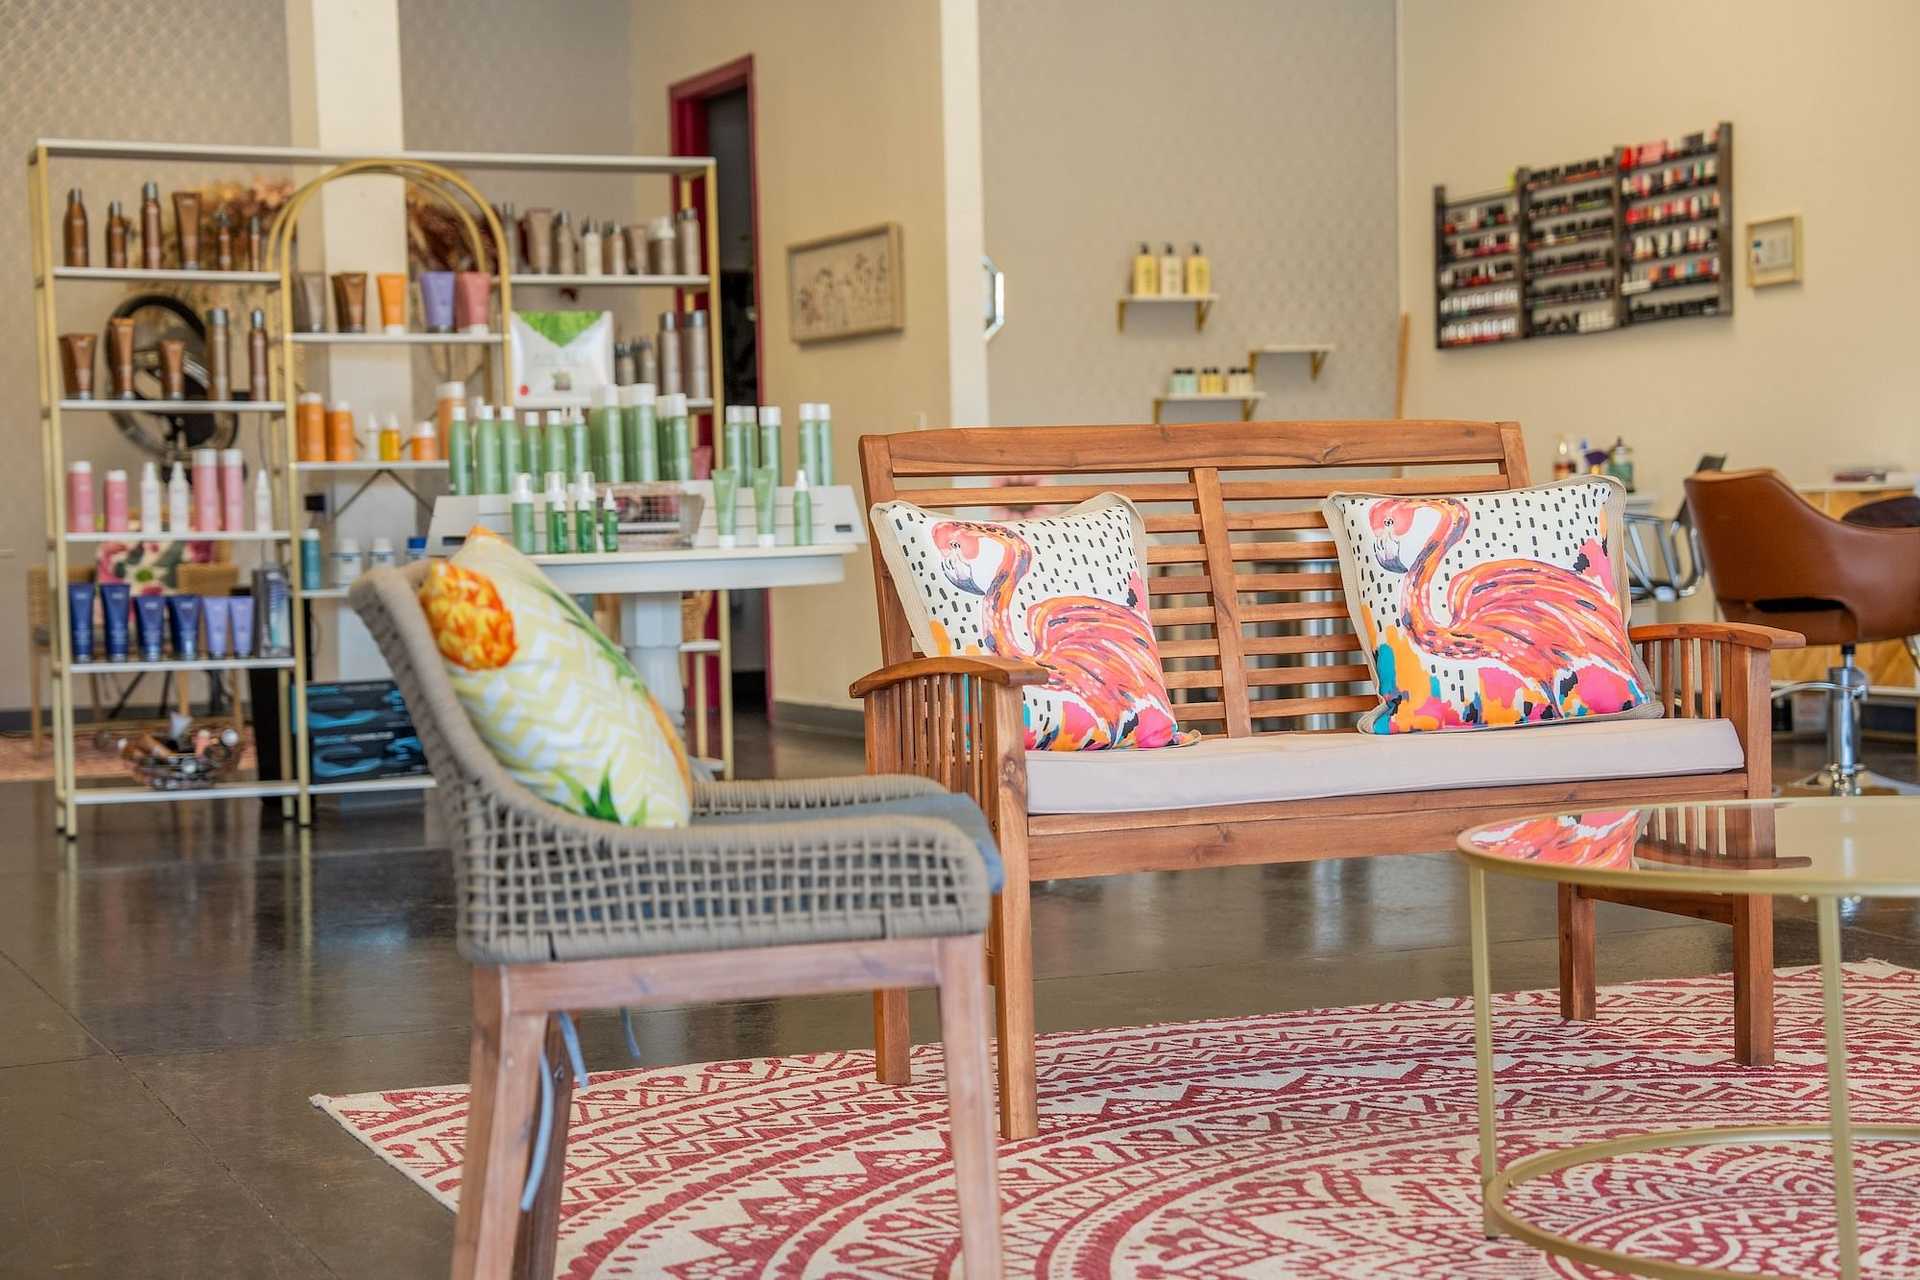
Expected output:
(1102, 665)
(1557, 632)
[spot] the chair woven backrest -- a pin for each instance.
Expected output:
(1244, 583)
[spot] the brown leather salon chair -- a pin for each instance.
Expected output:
(1776, 560)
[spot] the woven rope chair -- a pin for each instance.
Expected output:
(775, 889)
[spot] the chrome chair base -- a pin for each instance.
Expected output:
(1861, 782)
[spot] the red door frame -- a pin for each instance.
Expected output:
(687, 128)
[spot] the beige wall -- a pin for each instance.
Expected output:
(1826, 115)
(849, 116)
(1264, 129)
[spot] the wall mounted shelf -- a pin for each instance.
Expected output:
(1202, 304)
(1315, 352)
(170, 406)
(1247, 403)
(522, 281)
(404, 464)
(185, 535)
(145, 275)
(396, 339)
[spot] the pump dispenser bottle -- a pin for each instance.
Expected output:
(76, 229)
(1171, 279)
(586, 520)
(179, 501)
(150, 506)
(1199, 273)
(559, 530)
(151, 248)
(1146, 273)
(521, 508)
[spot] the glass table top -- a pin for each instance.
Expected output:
(1867, 845)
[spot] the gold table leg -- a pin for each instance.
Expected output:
(1483, 1044)
(1835, 1018)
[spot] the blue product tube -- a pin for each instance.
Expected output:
(80, 619)
(116, 599)
(183, 611)
(218, 613)
(150, 611)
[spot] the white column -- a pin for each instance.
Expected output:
(343, 60)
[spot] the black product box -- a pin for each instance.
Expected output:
(345, 756)
(356, 704)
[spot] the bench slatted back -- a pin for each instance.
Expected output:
(1244, 584)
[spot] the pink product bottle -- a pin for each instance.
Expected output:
(80, 497)
(206, 490)
(233, 490)
(116, 501)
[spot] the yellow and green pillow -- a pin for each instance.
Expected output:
(557, 702)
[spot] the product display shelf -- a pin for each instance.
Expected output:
(170, 406)
(50, 276)
(526, 280)
(436, 172)
(1497, 239)
(1315, 352)
(149, 275)
(1202, 304)
(1247, 402)
(1557, 214)
(371, 464)
(183, 535)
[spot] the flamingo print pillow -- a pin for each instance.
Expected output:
(1491, 610)
(1064, 591)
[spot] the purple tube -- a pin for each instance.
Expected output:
(436, 300)
(150, 611)
(116, 599)
(241, 607)
(80, 619)
(184, 613)
(218, 611)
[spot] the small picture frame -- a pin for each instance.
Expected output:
(847, 285)
(1773, 251)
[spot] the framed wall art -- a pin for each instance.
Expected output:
(846, 285)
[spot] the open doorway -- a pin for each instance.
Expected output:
(712, 114)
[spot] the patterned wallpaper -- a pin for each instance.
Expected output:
(185, 71)
(1266, 132)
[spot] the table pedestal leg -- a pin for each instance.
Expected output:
(650, 633)
(1483, 1039)
(1836, 1026)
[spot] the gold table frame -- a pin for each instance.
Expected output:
(1495, 1181)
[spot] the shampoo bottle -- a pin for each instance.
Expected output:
(556, 443)
(1146, 273)
(802, 510)
(179, 501)
(559, 531)
(586, 519)
(150, 507)
(459, 456)
(1171, 280)
(486, 453)
(609, 454)
(609, 522)
(529, 443)
(262, 501)
(1199, 273)
(579, 452)
(521, 509)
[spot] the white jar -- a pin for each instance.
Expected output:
(346, 562)
(381, 555)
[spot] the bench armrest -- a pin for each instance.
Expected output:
(1719, 671)
(1744, 635)
(957, 720)
(1001, 671)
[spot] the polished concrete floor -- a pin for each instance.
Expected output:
(177, 984)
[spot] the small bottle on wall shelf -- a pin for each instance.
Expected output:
(1199, 274)
(1171, 279)
(1146, 273)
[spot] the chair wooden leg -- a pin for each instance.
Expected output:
(539, 1236)
(501, 1113)
(1753, 981)
(35, 675)
(1577, 980)
(892, 1038)
(1013, 1004)
(963, 1035)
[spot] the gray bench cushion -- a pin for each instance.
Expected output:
(1302, 766)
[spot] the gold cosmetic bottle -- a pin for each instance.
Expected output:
(117, 236)
(75, 228)
(152, 249)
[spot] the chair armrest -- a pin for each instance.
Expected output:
(1742, 634)
(804, 794)
(1001, 671)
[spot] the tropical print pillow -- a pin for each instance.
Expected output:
(1491, 610)
(558, 703)
(1063, 591)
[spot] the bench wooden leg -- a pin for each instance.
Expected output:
(892, 1038)
(1013, 1004)
(1577, 981)
(963, 1035)
(539, 1236)
(501, 1113)
(1753, 981)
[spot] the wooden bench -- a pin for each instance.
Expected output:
(1244, 599)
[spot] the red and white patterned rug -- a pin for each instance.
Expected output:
(1334, 1144)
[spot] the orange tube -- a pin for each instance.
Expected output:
(342, 446)
(393, 302)
(310, 423)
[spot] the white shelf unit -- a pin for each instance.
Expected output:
(1246, 402)
(375, 338)
(1202, 304)
(184, 535)
(170, 406)
(275, 448)
(1315, 352)
(529, 280)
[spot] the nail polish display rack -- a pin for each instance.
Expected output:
(1553, 254)
(441, 174)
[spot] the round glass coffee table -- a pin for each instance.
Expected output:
(1825, 849)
